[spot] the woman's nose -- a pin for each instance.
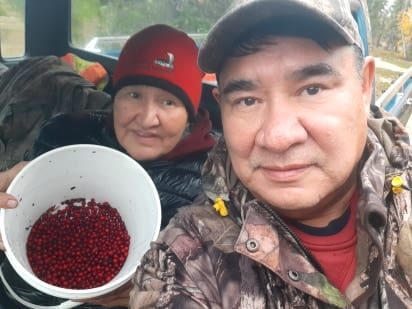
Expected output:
(148, 115)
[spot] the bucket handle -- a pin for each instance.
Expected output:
(65, 305)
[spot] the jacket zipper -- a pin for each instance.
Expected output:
(279, 220)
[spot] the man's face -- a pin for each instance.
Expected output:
(295, 123)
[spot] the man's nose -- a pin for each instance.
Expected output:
(281, 127)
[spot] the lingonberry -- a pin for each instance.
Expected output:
(78, 245)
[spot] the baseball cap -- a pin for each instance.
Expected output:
(245, 14)
(163, 57)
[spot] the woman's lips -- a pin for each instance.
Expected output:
(146, 137)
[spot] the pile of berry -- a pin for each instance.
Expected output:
(78, 245)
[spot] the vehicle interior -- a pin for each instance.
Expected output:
(50, 28)
(40, 28)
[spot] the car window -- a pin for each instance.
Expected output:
(109, 45)
(103, 26)
(12, 28)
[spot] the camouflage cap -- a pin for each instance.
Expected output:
(244, 14)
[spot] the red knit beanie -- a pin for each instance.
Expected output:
(162, 57)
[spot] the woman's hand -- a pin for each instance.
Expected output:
(6, 177)
(6, 200)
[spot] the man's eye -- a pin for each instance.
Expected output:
(248, 101)
(312, 90)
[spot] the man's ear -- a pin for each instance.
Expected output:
(216, 94)
(368, 75)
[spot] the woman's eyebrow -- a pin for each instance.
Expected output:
(309, 71)
(238, 85)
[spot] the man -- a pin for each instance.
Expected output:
(312, 193)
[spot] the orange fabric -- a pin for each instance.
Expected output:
(68, 58)
(91, 71)
(94, 73)
(210, 78)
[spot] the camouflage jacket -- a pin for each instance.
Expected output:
(31, 92)
(251, 259)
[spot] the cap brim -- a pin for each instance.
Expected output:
(240, 19)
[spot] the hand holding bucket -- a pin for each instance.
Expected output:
(86, 171)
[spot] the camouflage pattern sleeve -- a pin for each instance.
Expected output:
(161, 282)
(165, 278)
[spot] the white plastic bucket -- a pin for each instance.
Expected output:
(81, 171)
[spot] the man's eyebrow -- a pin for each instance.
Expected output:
(238, 85)
(313, 70)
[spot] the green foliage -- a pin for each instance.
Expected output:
(384, 21)
(12, 8)
(384, 79)
(114, 17)
(129, 16)
(197, 16)
(84, 20)
(17, 5)
(377, 13)
(391, 57)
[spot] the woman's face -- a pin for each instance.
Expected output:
(148, 121)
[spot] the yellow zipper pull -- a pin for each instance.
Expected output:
(397, 184)
(220, 207)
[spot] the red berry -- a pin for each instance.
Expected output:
(78, 246)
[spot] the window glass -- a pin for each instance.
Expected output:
(103, 26)
(12, 28)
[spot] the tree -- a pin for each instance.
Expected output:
(405, 27)
(378, 16)
(84, 20)
(393, 36)
(113, 17)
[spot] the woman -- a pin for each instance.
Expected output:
(155, 119)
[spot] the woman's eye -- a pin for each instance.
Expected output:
(167, 102)
(312, 90)
(133, 95)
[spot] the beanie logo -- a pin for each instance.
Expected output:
(166, 63)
